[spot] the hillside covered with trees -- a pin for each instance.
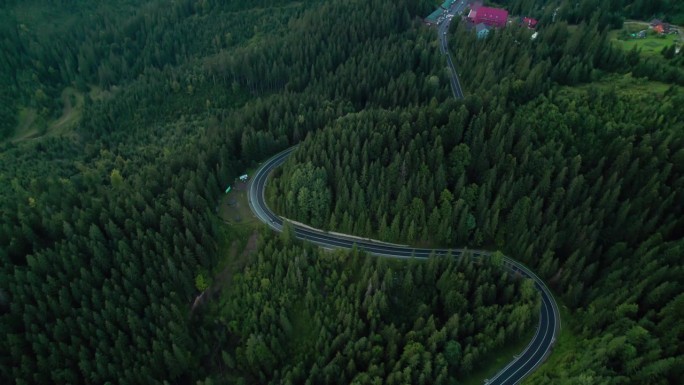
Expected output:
(121, 123)
(368, 320)
(586, 195)
(613, 11)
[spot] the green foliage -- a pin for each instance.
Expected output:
(367, 319)
(308, 194)
(116, 179)
(287, 235)
(610, 13)
(572, 174)
(102, 233)
(201, 282)
(497, 258)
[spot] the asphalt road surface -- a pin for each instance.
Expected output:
(520, 366)
(442, 31)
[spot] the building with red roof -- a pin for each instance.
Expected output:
(529, 22)
(493, 17)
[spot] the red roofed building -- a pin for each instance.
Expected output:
(529, 22)
(493, 17)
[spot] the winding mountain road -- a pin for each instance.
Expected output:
(523, 364)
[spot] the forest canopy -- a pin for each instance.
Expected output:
(121, 122)
(369, 320)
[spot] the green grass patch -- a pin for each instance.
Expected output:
(652, 45)
(72, 102)
(233, 208)
(33, 125)
(29, 125)
(628, 85)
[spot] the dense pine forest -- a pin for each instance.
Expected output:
(551, 188)
(121, 122)
(367, 319)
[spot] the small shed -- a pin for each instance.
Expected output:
(481, 30)
(529, 22)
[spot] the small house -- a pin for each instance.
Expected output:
(529, 22)
(659, 27)
(481, 30)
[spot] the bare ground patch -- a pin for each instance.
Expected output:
(234, 208)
